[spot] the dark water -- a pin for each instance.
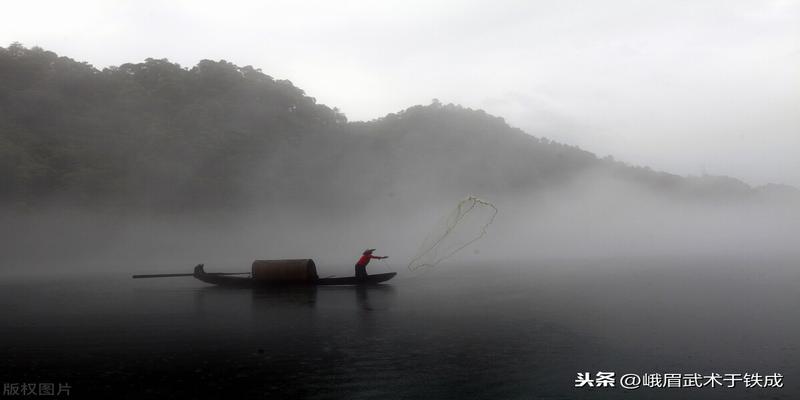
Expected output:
(458, 332)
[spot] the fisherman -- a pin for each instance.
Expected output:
(361, 265)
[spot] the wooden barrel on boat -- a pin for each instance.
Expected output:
(285, 271)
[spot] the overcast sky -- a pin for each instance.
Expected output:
(683, 86)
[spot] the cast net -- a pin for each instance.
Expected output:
(463, 226)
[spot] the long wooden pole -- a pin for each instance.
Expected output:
(173, 275)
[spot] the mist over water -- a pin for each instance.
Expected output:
(591, 217)
(596, 276)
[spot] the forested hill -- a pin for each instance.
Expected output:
(157, 136)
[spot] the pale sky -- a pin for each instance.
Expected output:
(682, 86)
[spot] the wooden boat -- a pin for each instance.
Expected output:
(271, 273)
(239, 281)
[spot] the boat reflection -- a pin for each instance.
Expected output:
(221, 300)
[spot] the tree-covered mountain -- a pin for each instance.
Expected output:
(157, 136)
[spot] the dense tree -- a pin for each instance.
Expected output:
(155, 135)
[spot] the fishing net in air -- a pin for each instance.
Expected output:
(463, 226)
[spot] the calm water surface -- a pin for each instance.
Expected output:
(457, 332)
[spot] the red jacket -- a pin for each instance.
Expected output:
(364, 260)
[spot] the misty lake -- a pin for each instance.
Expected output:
(516, 331)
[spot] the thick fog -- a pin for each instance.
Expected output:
(593, 218)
